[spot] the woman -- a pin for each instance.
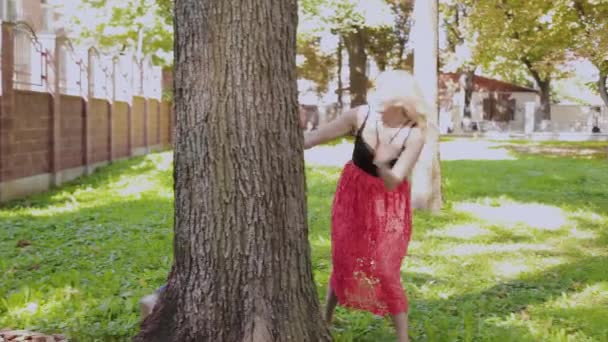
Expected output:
(371, 214)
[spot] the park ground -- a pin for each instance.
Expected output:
(519, 253)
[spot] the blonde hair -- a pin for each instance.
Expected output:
(400, 87)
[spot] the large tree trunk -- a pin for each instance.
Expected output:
(426, 190)
(603, 88)
(357, 62)
(242, 269)
(545, 99)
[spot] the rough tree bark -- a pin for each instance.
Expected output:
(354, 42)
(426, 180)
(602, 86)
(242, 269)
(545, 99)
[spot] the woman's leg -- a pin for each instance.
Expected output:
(330, 304)
(401, 324)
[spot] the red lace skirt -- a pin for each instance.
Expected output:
(371, 229)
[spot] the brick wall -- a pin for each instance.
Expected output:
(48, 138)
(99, 130)
(26, 141)
(138, 112)
(27, 132)
(72, 132)
(120, 130)
(153, 123)
(165, 123)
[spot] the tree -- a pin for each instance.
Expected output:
(460, 42)
(426, 192)
(530, 35)
(316, 66)
(145, 26)
(351, 20)
(242, 269)
(592, 39)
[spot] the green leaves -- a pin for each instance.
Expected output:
(590, 23)
(530, 35)
(383, 24)
(118, 24)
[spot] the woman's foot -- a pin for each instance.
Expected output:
(330, 305)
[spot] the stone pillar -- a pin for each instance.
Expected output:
(529, 118)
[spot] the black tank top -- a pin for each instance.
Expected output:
(363, 154)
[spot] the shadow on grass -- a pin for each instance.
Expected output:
(474, 312)
(501, 312)
(109, 256)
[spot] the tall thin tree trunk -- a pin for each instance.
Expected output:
(340, 65)
(603, 88)
(545, 99)
(545, 91)
(357, 61)
(242, 269)
(426, 190)
(467, 83)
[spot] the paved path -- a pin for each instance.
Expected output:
(461, 149)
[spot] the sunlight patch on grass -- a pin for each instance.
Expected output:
(510, 213)
(510, 269)
(135, 187)
(493, 249)
(582, 234)
(163, 161)
(421, 269)
(463, 231)
(547, 262)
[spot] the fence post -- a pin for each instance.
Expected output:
(88, 148)
(130, 112)
(56, 115)
(146, 124)
(7, 101)
(111, 110)
(159, 138)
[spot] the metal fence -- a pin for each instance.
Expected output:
(43, 61)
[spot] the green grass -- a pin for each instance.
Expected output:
(559, 143)
(574, 149)
(520, 253)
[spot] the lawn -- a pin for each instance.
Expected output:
(520, 253)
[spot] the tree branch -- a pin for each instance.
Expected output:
(532, 71)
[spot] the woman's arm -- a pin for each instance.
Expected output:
(341, 126)
(394, 176)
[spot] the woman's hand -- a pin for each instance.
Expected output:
(385, 153)
(341, 126)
